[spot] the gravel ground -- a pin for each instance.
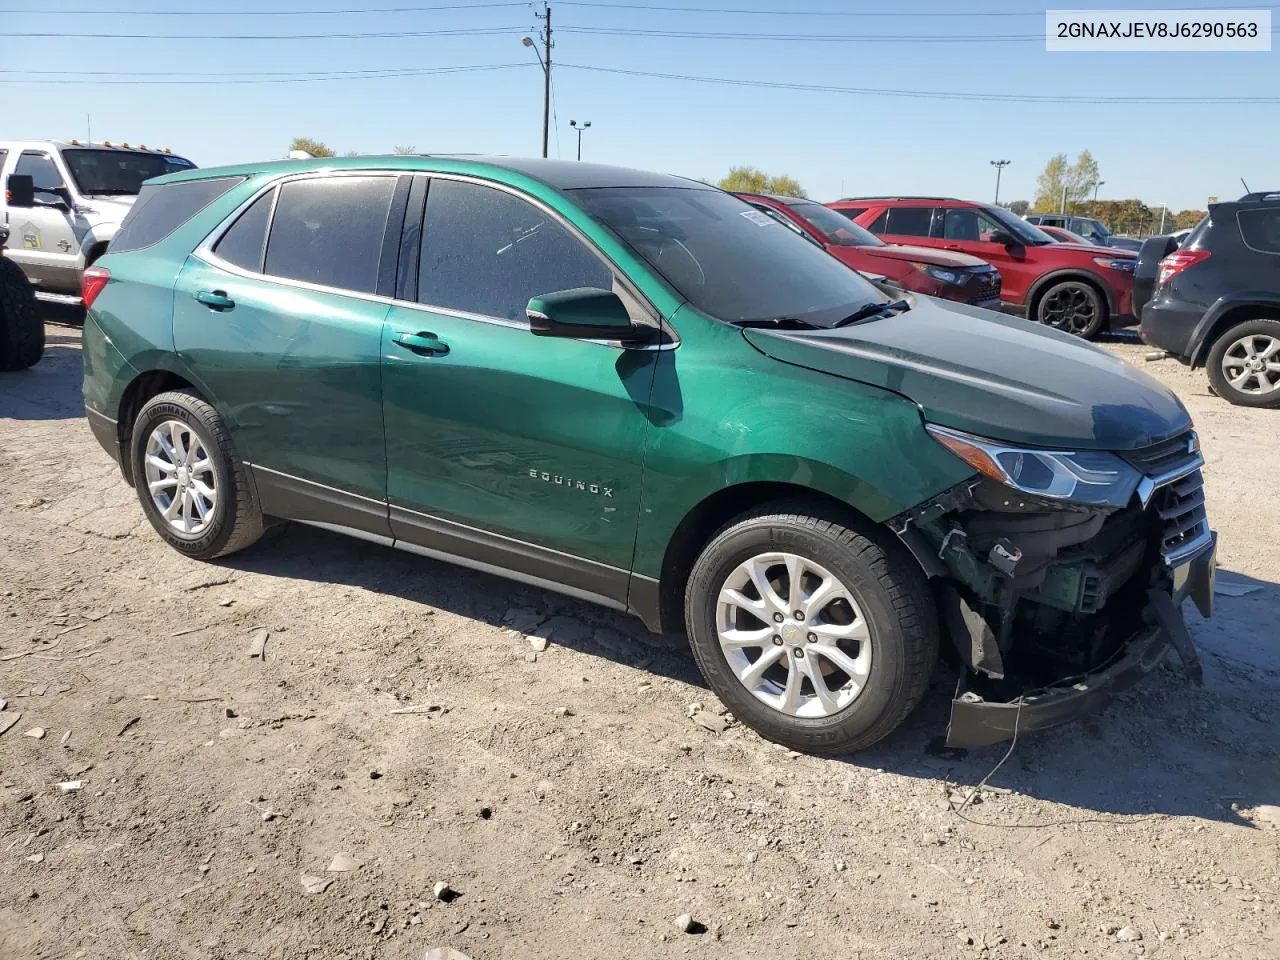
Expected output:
(575, 800)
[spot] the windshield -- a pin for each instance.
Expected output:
(118, 172)
(726, 258)
(1098, 226)
(1018, 227)
(839, 230)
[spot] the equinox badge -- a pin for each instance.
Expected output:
(571, 483)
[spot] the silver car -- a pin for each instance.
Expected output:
(64, 200)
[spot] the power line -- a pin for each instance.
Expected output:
(927, 94)
(267, 78)
(273, 13)
(469, 31)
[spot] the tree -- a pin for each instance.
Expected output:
(1188, 218)
(1076, 179)
(404, 151)
(313, 147)
(751, 180)
(1018, 208)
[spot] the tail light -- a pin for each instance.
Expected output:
(1179, 260)
(91, 284)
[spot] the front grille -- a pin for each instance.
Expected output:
(986, 285)
(1180, 506)
(1165, 456)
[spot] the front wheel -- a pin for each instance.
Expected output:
(1074, 307)
(813, 634)
(1244, 364)
(194, 489)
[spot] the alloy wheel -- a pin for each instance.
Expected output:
(181, 478)
(793, 635)
(1252, 364)
(1069, 309)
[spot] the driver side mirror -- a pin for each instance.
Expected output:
(584, 313)
(20, 190)
(1003, 237)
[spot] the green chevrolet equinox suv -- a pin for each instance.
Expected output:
(638, 390)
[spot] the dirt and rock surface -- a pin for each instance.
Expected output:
(216, 760)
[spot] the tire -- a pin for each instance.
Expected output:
(232, 519)
(1074, 307)
(1239, 351)
(890, 598)
(21, 326)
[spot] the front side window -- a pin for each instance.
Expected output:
(840, 231)
(40, 169)
(161, 208)
(109, 173)
(488, 252)
(968, 225)
(727, 259)
(1020, 229)
(330, 231)
(1260, 229)
(246, 241)
(910, 221)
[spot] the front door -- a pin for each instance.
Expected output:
(279, 321)
(506, 449)
(42, 238)
(968, 230)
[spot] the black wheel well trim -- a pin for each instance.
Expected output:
(702, 522)
(95, 251)
(136, 393)
(1223, 315)
(1043, 283)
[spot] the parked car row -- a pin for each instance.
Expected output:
(644, 392)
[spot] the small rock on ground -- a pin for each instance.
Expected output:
(684, 922)
(1128, 934)
(312, 884)
(711, 721)
(342, 863)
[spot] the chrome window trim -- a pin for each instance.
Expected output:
(204, 252)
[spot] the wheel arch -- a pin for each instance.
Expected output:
(132, 399)
(1042, 285)
(664, 609)
(1224, 315)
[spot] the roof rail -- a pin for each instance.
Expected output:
(1261, 195)
(883, 197)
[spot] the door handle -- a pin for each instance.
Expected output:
(423, 343)
(215, 299)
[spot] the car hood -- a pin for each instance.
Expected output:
(939, 258)
(999, 377)
(1095, 250)
(107, 209)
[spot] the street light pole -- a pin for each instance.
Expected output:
(1096, 185)
(999, 165)
(574, 124)
(1063, 211)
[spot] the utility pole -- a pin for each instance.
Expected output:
(1164, 208)
(1063, 211)
(546, 79)
(999, 165)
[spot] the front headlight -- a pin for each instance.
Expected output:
(1127, 264)
(941, 274)
(1085, 476)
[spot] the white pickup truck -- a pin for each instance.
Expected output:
(63, 202)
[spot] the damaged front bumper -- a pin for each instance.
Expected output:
(977, 722)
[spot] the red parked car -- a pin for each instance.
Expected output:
(936, 273)
(1078, 289)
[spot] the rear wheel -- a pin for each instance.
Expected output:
(21, 326)
(1244, 364)
(813, 634)
(1074, 307)
(194, 489)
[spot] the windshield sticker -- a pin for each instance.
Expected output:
(758, 218)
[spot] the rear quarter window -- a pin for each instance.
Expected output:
(162, 208)
(1260, 229)
(910, 221)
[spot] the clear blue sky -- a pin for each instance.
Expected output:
(831, 142)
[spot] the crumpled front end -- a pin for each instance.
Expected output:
(1052, 606)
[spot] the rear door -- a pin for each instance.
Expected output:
(503, 448)
(280, 318)
(910, 225)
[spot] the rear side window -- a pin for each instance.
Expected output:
(487, 252)
(246, 241)
(881, 223)
(853, 213)
(910, 221)
(330, 231)
(1260, 229)
(162, 208)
